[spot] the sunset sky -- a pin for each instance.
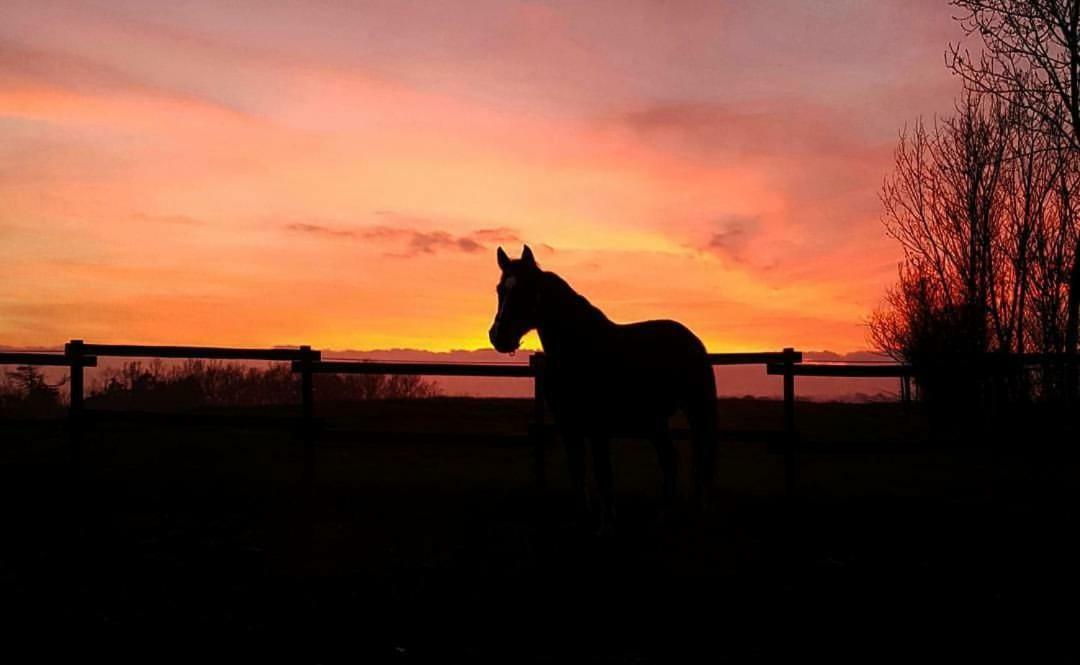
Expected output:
(340, 173)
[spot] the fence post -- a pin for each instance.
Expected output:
(307, 390)
(75, 352)
(307, 417)
(791, 469)
(537, 362)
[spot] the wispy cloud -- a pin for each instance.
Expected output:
(87, 75)
(501, 234)
(734, 236)
(760, 127)
(320, 230)
(182, 220)
(412, 242)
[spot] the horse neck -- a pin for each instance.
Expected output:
(568, 323)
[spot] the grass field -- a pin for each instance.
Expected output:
(898, 545)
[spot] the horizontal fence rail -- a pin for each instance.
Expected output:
(760, 358)
(854, 371)
(506, 370)
(46, 359)
(193, 352)
(866, 371)
(510, 370)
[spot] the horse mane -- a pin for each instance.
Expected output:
(562, 298)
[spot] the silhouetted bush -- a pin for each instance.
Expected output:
(344, 387)
(25, 392)
(202, 383)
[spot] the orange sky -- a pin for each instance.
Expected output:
(339, 174)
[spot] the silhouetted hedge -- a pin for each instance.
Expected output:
(25, 392)
(203, 383)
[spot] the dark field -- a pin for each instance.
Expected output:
(898, 545)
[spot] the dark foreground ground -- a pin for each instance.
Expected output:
(204, 539)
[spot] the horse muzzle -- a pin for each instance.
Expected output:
(502, 343)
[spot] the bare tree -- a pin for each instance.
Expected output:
(1031, 60)
(984, 208)
(943, 204)
(1052, 254)
(1033, 166)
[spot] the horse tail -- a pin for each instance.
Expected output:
(701, 414)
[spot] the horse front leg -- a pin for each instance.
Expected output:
(605, 481)
(574, 443)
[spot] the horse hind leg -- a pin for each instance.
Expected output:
(704, 442)
(605, 480)
(666, 456)
(701, 413)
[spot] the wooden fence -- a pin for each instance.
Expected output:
(307, 362)
(867, 371)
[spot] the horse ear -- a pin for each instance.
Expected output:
(527, 256)
(504, 260)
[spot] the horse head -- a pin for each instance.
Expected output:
(518, 289)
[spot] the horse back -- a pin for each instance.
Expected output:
(657, 343)
(639, 373)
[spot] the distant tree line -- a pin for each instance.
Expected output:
(985, 206)
(203, 383)
(195, 384)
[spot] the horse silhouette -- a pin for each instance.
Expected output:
(605, 379)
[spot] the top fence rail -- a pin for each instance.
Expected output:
(756, 358)
(853, 371)
(193, 352)
(45, 359)
(510, 370)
